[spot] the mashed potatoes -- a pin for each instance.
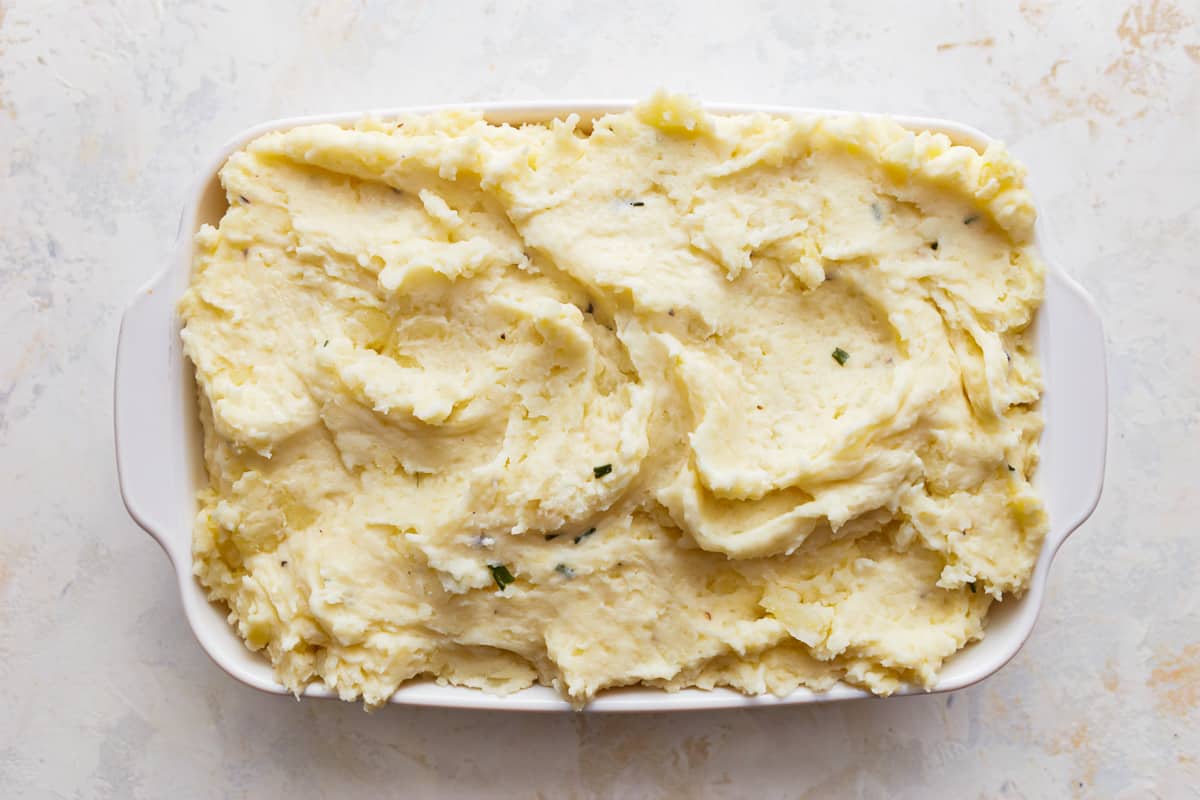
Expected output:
(672, 399)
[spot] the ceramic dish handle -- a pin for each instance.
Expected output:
(1080, 395)
(147, 414)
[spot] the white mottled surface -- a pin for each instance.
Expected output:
(107, 110)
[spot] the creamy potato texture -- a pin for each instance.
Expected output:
(671, 398)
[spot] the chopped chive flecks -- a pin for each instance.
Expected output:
(970, 218)
(584, 535)
(840, 356)
(550, 537)
(601, 470)
(325, 343)
(501, 575)
(636, 203)
(971, 586)
(564, 570)
(1011, 468)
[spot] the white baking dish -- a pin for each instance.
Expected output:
(160, 465)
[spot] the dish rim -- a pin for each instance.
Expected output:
(1081, 326)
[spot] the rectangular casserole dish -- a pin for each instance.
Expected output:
(160, 465)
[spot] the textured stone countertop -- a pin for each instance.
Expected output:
(107, 110)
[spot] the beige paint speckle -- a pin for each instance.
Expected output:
(696, 749)
(1150, 23)
(1110, 678)
(1148, 30)
(1034, 12)
(1077, 744)
(1132, 77)
(985, 42)
(1175, 681)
